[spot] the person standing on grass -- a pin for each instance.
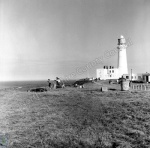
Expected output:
(58, 81)
(49, 83)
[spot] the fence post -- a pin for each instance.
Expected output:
(145, 87)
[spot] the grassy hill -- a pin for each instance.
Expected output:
(74, 117)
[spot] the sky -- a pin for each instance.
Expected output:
(41, 39)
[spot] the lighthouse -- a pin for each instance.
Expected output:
(122, 56)
(109, 72)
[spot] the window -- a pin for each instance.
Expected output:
(139, 77)
(112, 71)
(127, 77)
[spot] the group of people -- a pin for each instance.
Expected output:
(58, 81)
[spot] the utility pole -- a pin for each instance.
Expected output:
(131, 75)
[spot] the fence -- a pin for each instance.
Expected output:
(145, 87)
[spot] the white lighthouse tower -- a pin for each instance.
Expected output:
(122, 56)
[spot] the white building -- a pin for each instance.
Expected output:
(145, 77)
(109, 72)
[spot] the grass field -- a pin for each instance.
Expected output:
(76, 118)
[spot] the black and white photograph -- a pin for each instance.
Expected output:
(74, 73)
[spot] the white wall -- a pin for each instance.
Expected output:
(105, 74)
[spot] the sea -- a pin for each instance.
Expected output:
(25, 85)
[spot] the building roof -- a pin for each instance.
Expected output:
(146, 74)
